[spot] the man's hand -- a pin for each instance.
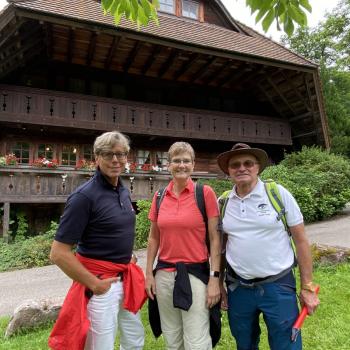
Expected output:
(213, 292)
(224, 302)
(150, 286)
(103, 286)
(310, 300)
(133, 259)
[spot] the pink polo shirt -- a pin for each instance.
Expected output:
(181, 225)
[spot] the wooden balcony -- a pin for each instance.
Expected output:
(25, 184)
(45, 107)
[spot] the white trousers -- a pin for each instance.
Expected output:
(106, 315)
(187, 330)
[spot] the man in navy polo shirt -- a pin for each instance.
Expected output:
(100, 220)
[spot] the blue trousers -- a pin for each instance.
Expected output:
(277, 302)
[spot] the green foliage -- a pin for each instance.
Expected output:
(284, 12)
(22, 227)
(219, 186)
(319, 181)
(329, 44)
(142, 224)
(30, 252)
(141, 12)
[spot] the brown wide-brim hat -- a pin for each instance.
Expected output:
(242, 148)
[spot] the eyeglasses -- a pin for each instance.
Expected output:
(121, 156)
(248, 164)
(178, 161)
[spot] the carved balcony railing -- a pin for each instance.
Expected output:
(25, 184)
(45, 107)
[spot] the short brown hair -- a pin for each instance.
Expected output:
(108, 140)
(180, 147)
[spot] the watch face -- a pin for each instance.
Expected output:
(215, 273)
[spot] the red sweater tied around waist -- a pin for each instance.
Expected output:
(72, 325)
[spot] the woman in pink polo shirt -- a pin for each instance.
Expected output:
(185, 287)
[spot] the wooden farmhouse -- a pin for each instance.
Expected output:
(67, 74)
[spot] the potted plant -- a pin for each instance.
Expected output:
(8, 159)
(87, 165)
(45, 163)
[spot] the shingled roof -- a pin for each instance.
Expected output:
(177, 29)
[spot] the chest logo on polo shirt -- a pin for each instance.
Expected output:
(263, 209)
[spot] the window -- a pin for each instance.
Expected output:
(45, 151)
(162, 160)
(167, 6)
(190, 9)
(88, 153)
(142, 158)
(69, 155)
(21, 151)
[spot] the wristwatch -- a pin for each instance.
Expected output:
(311, 287)
(214, 274)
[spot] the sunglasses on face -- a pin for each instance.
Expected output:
(248, 164)
(121, 156)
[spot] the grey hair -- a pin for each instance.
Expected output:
(180, 147)
(109, 140)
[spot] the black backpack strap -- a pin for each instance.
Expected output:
(199, 195)
(160, 196)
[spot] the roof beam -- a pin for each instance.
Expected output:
(312, 110)
(70, 44)
(216, 73)
(254, 75)
(277, 90)
(48, 39)
(274, 105)
(151, 58)
(11, 33)
(233, 77)
(300, 117)
(165, 66)
(310, 133)
(203, 69)
(91, 49)
(186, 66)
(110, 29)
(295, 89)
(113, 48)
(131, 57)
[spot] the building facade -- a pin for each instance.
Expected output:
(67, 74)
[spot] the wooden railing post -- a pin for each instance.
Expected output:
(6, 222)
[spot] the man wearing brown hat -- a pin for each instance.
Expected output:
(260, 257)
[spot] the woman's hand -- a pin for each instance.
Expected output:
(213, 292)
(150, 286)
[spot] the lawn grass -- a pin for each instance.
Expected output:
(328, 329)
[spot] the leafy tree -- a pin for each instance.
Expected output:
(329, 44)
(286, 13)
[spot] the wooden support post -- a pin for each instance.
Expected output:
(6, 222)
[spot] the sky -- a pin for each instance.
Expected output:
(240, 12)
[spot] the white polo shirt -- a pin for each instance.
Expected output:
(258, 245)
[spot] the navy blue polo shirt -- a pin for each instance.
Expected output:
(100, 219)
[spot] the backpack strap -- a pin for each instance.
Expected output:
(275, 198)
(223, 200)
(160, 196)
(200, 201)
